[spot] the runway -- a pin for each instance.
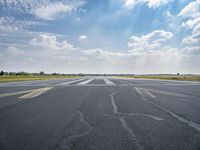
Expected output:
(100, 113)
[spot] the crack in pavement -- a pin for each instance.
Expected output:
(135, 114)
(117, 113)
(130, 132)
(192, 124)
(124, 123)
(115, 110)
(122, 116)
(66, 142)
(65, 145)
(188, 122)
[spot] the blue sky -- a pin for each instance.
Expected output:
(100, 36)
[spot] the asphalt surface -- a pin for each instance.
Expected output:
(100, 113)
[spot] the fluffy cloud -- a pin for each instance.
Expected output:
(82, 37)
(191, 10)
(191, 16)
(152, 52)
(150, 42)
(191, 40)
(50, 41)
(47, 52)
(130, 3)
(156, 3)
(191, 23)
(195, 50)
(151, 3)
(147, 54)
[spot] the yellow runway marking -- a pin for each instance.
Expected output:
(28, 93)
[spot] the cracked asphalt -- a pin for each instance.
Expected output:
(97, 114)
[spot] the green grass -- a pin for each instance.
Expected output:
(30, 78)
(169, 77)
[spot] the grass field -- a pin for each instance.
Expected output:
(29, 78)
(169, 77)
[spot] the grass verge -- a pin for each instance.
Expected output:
(31, 78)
(169, 77)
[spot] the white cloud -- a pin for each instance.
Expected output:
(15, 51)
(131, 3)
(51, 11)
(151, 53)
(147, 54)
(6, 25)
(191, 10)
(150, 3)
(50, 41)
(191, 23)
(44, 9)
(191, 40)
(195, 50)
(149, 42)
(82, 37)
(11, 25)
(191, 16)
(156, 3)
(196, 29)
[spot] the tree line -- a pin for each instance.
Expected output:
(22, 73)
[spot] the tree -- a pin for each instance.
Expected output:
(42, 73)
(1, 73)
(178, 75)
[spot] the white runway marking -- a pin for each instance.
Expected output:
(30, 93)
(107, 81)
(86, 82)
(69, 82)
(168, 93)
(143, 91)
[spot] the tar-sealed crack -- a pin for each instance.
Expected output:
(67, 141)
(192, 124)
(188, 122)
(115, 110)
(124, 123)
(130, 132)
(122, 116)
